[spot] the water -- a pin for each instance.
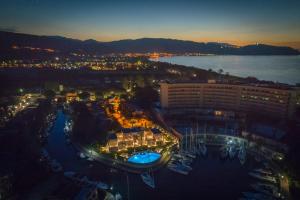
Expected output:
(211, 177)
(284, 69)
(144, 158)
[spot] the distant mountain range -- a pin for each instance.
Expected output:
(18, 45)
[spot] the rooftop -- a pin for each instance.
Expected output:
(280, 86)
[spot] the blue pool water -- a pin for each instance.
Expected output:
(144, 158)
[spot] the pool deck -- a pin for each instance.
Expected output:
(126, 166)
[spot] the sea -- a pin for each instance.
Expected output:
(283, 69)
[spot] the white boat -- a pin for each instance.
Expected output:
(102, 185)
(81, 155)
(263, 177)
(118, 196)
(267, 189)
(263, 171)
(187, 162)
(178, 169)
(148, 180)
(189, 154)
(83, 180)
(178, 156)
(90, 159)
(187, 167)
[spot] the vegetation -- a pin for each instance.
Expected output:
(145, 97)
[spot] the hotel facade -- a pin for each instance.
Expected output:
(135, 137)
(277, 102)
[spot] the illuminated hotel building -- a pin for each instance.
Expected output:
(189, 96)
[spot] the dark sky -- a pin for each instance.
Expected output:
(235, 21)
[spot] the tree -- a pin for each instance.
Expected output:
(84, 96)
(146, 96)
(49, 94)
(126, 83)
(220, 71)
(140, 81)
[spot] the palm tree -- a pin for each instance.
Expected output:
(220, 71)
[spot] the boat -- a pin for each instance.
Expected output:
(263, 177)
(263, 171)
(81, 155)
(147, 179)
(267, 189)
(102, 185)
(187, 162)
(178, 169)
(184, 165)
(256, 195)
(118, 196)
(189, 154)
(178, 156)
(83, 180)
(90, 159)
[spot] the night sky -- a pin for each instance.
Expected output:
(235, 21)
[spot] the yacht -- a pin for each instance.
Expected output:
(267, 189)
(83, 180)
(263, 177)
(81, 155)
(148, 180)
(263, 171)
(178, 169)
(118, 196)
(189, 154)
(101, 185)
(186, 166)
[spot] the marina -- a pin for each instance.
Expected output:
(201, 163)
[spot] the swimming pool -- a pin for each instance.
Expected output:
(144, 157)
